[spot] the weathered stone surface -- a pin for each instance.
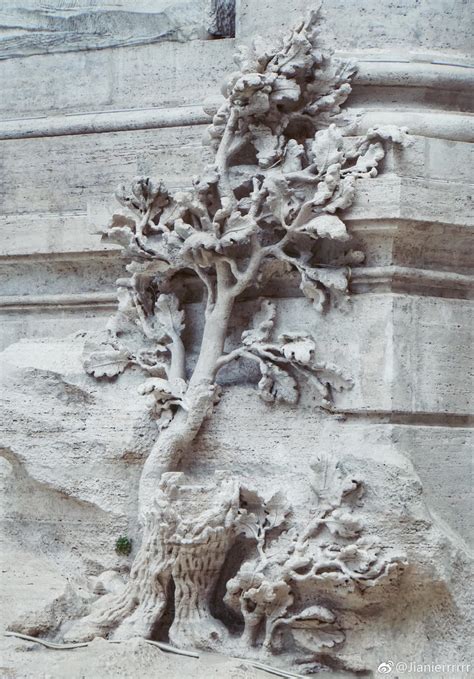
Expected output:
(124, 79)
(97, 162)
(110, 661)
(29, 27)
(431, 448)
(428, 25)
(373, 489)
(79, 521)
(64, 395)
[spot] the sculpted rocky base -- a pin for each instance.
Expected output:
(223, 565)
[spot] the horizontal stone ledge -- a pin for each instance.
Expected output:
(382, 206)
(388, 274)
(103, 121)
(104, 252)
(434, 74)
(444, 124)
(362, 279)
(412, 419)
(84, 299)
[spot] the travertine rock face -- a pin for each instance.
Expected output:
(310, 539)
(34, 27)
(66, 507)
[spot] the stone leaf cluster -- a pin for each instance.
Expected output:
(284, 167)
(331, 555)
(282, 170)
(286, 590)
(281, 362)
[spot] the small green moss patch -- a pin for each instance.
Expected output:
(123, 545)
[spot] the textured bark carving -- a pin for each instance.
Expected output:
(284, 167)
(183, 543)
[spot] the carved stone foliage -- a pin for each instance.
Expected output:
(286, 590)
(284, 169)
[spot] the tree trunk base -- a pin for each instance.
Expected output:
(186, 539)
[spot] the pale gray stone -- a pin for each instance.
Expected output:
(386, 463)
(33, 27)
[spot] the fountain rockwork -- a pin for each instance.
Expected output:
(298, 257)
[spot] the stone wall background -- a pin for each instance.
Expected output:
(75, 124)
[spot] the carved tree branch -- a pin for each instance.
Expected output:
(223, 229)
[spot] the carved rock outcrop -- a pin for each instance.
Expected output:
(285, 168)
(282, 170)
(391, 522)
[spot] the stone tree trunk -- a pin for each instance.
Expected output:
(236, 221)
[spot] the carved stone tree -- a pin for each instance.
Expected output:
(284, 166)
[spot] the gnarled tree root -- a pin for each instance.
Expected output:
(181, 546)
(134, 611)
